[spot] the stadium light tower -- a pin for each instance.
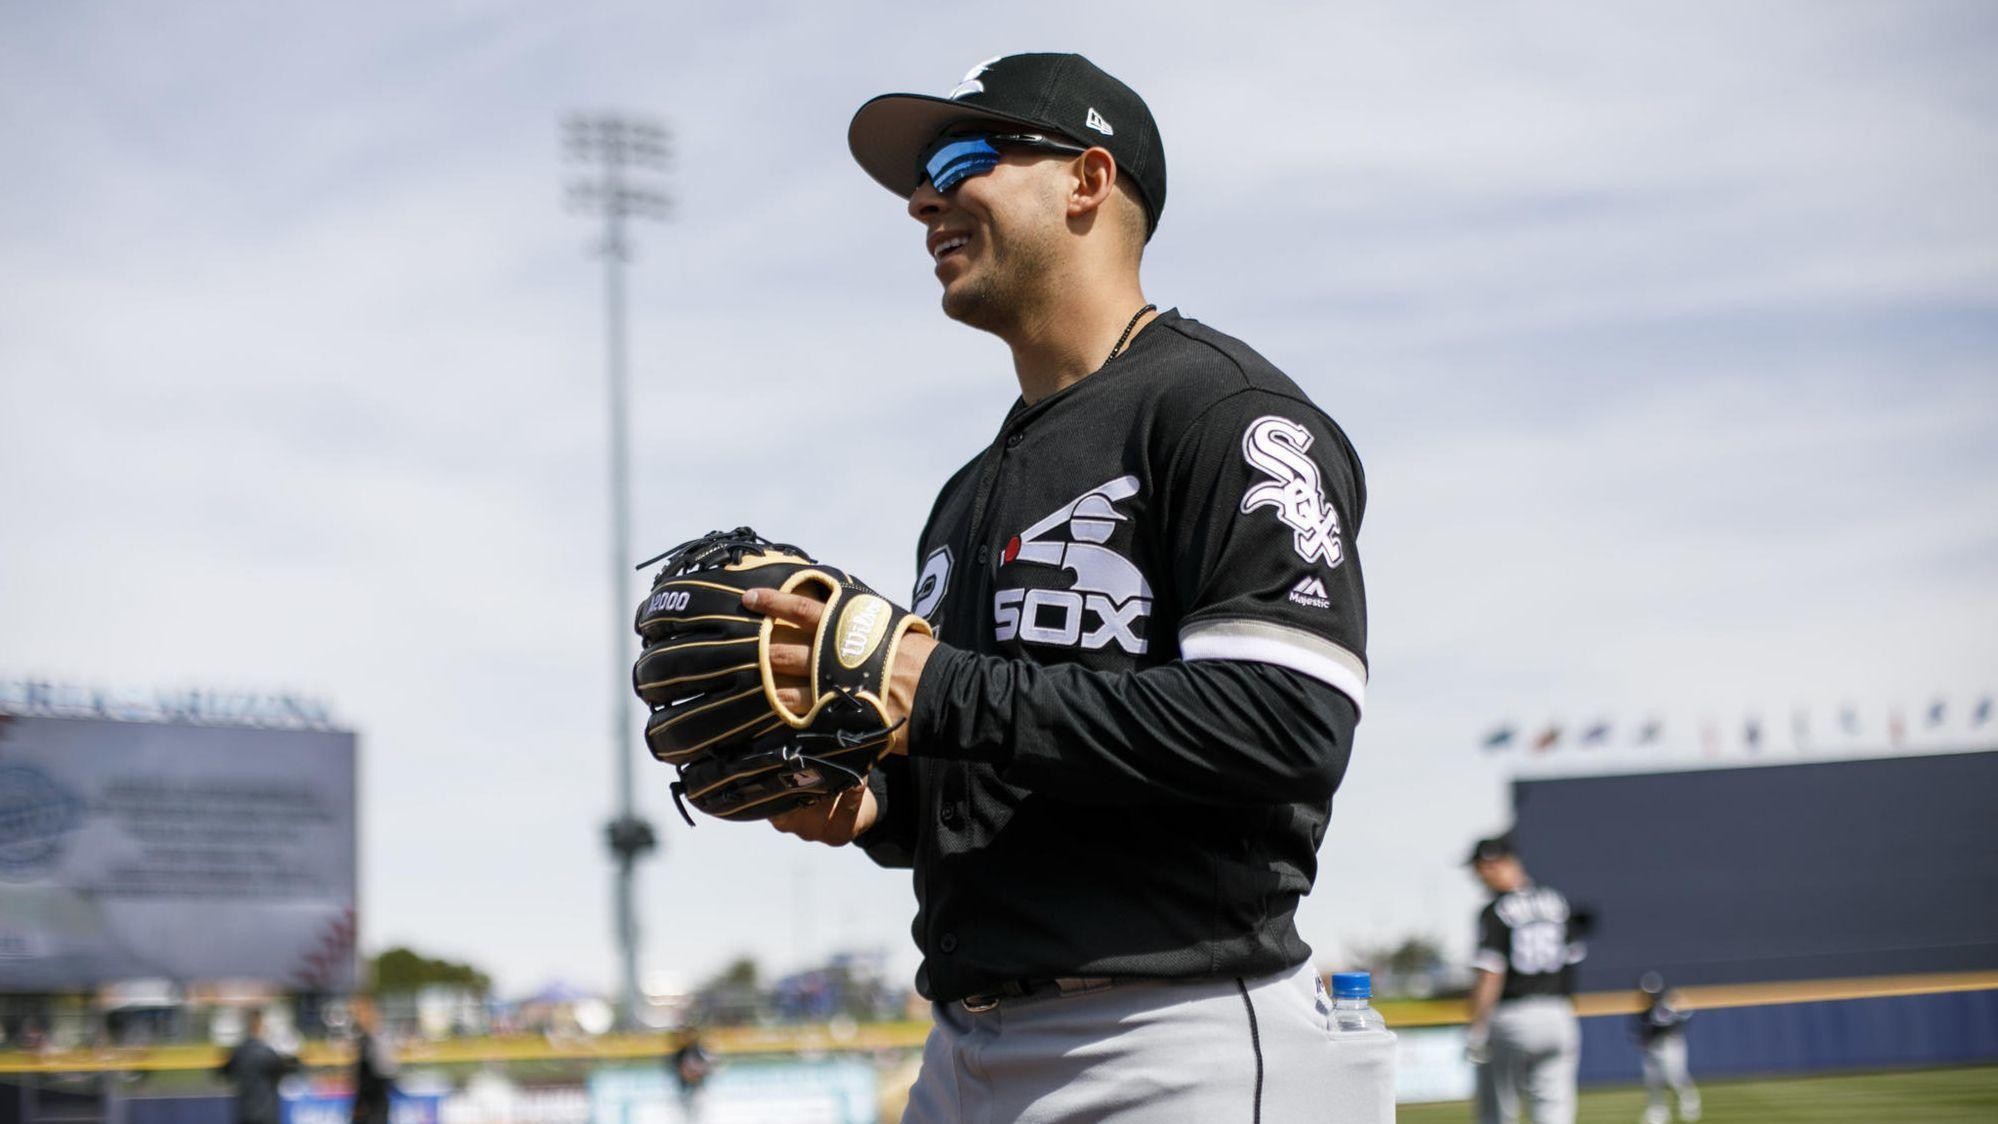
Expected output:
(616, 148)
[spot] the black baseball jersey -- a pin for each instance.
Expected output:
(1123, 757)
(1525, 934)
(1660, 1020)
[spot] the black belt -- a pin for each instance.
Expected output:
(1020, 989)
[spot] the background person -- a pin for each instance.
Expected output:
(690, 1066)
(1660, 1030)
(1523, 1034)
(253, 1070)
(374, 1066)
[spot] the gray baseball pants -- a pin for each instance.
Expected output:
(1535, 1049)
(1665, 1065)
(1157, 1052)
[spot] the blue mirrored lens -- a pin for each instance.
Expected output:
(958, 159)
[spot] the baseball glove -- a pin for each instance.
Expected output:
(705, 671)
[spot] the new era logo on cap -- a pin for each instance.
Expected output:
(1097, 122)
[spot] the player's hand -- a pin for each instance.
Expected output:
(791, 657)
(1477, 1046)
(834, 822)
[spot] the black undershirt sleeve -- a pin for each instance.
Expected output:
(1219, 732)
(891, 842)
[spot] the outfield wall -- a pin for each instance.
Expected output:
(1796, 871)
(1738, 1030)
(1888, 1032)
(1754, 889)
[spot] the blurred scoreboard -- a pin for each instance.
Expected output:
(1778, 872)
(172, 850)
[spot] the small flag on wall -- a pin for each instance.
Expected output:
(1842, 725)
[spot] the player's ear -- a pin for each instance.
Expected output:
(1093, 178)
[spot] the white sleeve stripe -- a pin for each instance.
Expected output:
(1488, 961)
(1264, 642)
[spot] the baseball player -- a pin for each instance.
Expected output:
(1523, 1035)
(1121, 746)
(1660, 1030)
(253, 1070)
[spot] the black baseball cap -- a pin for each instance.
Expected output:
(1066, 95)
(1497, 847)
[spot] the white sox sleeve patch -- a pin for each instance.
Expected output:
(1277, 447)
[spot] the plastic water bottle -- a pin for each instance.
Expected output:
(1352, 1003)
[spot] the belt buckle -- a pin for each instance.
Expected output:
(1011, 989)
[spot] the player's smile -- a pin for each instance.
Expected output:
(946, 245)
(956, 230)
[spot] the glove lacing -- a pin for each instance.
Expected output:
(719, 548)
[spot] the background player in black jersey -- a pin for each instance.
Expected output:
(1660, 1031)
(1523, 1034)
(1122, 745)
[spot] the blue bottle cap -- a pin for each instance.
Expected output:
(1352, 985)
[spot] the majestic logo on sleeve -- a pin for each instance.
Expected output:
(1311, 593)
(1109, 599)
(1276, 447)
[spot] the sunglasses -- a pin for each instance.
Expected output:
(954, 158)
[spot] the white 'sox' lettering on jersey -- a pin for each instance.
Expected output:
(1109, 598)
(1276, 447)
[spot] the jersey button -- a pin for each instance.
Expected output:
(947, 943)
(1013, 439)
(949, 816)
(984, 553)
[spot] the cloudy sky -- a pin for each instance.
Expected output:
(1668, 334)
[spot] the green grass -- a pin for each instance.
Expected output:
(1941, 1095)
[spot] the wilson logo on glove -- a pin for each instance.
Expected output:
(860, 629)
(705, 673)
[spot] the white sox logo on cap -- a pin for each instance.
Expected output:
(970, 84)
(1275, 446)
